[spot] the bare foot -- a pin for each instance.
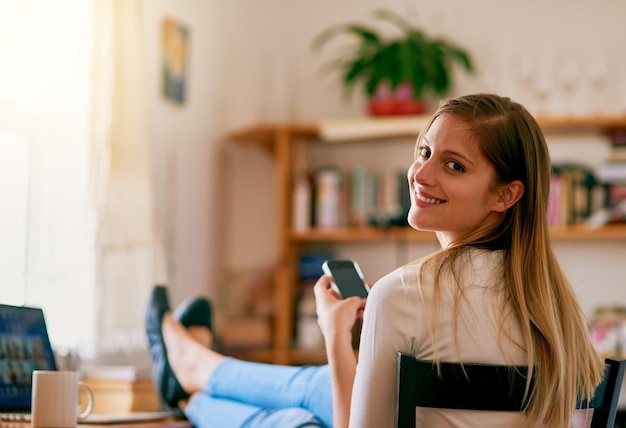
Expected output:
(191, 361)
(202, 335)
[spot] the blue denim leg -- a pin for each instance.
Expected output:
(206, 411)
(265, 388)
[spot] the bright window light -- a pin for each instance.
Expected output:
(14, 181)
(47, 217)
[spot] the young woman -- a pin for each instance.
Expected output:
(494, 293)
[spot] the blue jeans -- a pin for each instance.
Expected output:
(256, 395)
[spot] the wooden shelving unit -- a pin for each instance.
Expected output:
(280, 140)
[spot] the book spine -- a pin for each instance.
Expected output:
(327, 198)
(302, 194)
(358, 209)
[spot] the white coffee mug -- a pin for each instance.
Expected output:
(55, 399)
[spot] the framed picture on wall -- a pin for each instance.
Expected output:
(174, 53)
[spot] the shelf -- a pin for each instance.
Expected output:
(603, 122)
(368, 128)
(361, 234)
(606, 233)
(265, 134)
(373, 234)
(284, 143)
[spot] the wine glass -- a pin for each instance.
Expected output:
(597, 74)
(525, 72)
(567, 77)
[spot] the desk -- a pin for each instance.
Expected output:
(165, 423)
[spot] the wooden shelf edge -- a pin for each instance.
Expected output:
(340, 234)
(358, 129)
(264, 132)
(361, 234)
(372, 234)
(583, 232)
(592, 121)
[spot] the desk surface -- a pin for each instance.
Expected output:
(165, 423)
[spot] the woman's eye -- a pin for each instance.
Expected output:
(455, 166)
(423, 152)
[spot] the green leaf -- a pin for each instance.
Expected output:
(367, 35)
(412, 56)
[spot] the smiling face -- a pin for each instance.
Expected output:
(452, 184)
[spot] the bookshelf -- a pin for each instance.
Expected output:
(282, 141)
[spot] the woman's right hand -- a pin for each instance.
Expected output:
(335, 316)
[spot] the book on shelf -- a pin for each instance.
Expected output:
(574, 195)
(612, 171)
(310, 264)
(616, 195)
(328, 195)
(618, 145)
(617, 137)
(362, 196)
(302, 202)
(357, 197)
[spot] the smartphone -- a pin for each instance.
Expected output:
(347, 278)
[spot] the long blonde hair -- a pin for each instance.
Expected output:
(560, 355)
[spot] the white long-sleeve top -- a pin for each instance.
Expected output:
(400, 316)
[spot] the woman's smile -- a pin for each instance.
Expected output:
(426, 198)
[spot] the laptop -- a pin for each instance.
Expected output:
(24, 347)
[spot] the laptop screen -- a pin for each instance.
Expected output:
(24, 347)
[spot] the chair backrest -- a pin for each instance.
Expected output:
(487, 387)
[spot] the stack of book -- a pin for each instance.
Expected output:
(357, 197)
(612, 174)
(574, 195)
(121, 388)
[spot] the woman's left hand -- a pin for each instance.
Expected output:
(335, 316)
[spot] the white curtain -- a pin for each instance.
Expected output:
(45, 97)
(129, 253)
(77, 231)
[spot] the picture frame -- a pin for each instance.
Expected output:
(174, 53)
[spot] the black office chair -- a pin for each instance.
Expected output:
(487, 387)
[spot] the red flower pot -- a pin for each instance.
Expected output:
(398, 102)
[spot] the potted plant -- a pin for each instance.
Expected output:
(397, 74)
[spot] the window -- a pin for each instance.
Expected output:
(14, 179)
(47, 218)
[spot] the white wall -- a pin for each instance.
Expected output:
(186, 141)
(252, 61)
